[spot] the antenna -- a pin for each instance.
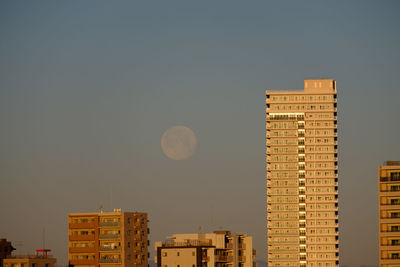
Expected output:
(43, 240)
(212, 218)
(111, 204)
(19, 245)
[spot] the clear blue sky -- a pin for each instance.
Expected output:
(88, 87)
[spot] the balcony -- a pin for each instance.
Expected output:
(107, 248)
(109, 224)
(242, 258)
(82, 262)
(223, 258)
(109, 236)
(87, 225)
(391, 179)
(81, 237)
(82, 249)
(110, 260)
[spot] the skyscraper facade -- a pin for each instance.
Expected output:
(389, 214)
(302, 176)
(112, 239)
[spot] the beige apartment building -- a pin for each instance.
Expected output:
(302, 176)
(109, 239)
(217, 249)
(40, 259)
(389, 214)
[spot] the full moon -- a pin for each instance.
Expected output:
(178, 142)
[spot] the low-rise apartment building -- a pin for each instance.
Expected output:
(112, 239)
(218, 249)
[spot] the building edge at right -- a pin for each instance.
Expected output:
(389, 214)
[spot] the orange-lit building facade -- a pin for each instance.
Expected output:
(108, 239)
(389, 214)
(302, 176)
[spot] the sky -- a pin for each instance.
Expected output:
(87, 88)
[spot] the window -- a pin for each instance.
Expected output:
(395, 201)
(177, 254)
(395, 188)
(395, 256)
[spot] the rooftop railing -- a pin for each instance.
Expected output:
(109, 224)
(187, 243)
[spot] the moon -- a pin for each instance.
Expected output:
(178, 142)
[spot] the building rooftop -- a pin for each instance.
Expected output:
(392, 163)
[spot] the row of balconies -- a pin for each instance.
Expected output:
(92, 225)
(393, 178)
(110, 260)
(308, 226)
(86, 225)
(109, 224)
(294, 117)
(277, 194)
(279, 158)
(92, 249)
(302, 101)
(226, 258)
(76, 262)
(281, 258)
(301, 127)
(240, 246)
(101, 236)
(302, 167)
(296, 202)
(302, 134)
(285, 117)
(268, 110)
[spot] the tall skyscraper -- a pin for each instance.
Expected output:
(302, 176)
(218, 249)
(110, 239)
(389, 214)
